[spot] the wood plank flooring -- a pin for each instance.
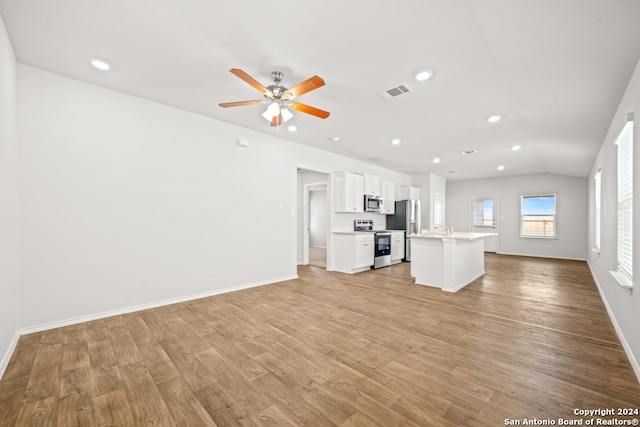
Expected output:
(530, 339)
(318, 257)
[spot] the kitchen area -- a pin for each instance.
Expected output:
(374, 223)
(362, 236)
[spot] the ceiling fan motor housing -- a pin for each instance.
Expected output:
(277, 91)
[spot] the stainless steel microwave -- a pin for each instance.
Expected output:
(372, 203)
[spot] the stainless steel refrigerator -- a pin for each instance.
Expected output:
(407, 218)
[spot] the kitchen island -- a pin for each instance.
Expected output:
(447, 261)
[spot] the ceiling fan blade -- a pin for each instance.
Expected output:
(276, 120)
(304, 87)
(253, 82)
(309, 110)
(240, 103)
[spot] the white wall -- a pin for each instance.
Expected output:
(623, 305)
(9, 199)
(318, 218)
(127, 202)
(571, 212)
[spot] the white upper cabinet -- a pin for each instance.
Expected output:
(349, 192)
(372, 185)
(409, 193)
(388, 197)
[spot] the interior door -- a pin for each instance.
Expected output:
(484, 219)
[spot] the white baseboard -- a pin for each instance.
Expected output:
(541, 256)
(635, 364)
(9, 353)
(82, 319)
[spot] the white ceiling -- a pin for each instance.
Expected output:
(555, 69)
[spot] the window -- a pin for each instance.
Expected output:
(597, 200)
(624, 274)
(538, 216)
(483, 213)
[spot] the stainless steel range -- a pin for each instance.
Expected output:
(382, 242)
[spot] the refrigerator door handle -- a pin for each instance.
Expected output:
(412, 216)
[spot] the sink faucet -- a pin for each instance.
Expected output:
(449, 231)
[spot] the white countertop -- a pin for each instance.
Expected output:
(364, 232)
(459, 235)
(353, 232)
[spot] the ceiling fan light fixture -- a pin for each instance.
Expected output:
(272, 110)
(286, 114)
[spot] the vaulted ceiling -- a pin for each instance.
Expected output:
(554, 70)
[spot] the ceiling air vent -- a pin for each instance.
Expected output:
(395, 91)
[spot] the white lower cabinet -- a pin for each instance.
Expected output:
(365, 251)
(397, 246)
(353, 253)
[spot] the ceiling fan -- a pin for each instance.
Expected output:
(279, 98)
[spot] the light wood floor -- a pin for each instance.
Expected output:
(318, 257)
(531, 339)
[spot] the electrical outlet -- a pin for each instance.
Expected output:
(212, 271)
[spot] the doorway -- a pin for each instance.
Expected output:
(484, 219)
(318, 223)
(314, 221)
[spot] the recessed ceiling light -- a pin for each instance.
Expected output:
(494, 119)
(395, 141)
(334, 139)
(424, 75)
(465, 152)
(436, 160)
(292, 128)
(501, 167)
(451, 171)
(100, 65)
(516, 147)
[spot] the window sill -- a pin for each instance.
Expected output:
(539, 237)
(622, 279)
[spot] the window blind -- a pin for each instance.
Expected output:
(625, 200)
(597, 198)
